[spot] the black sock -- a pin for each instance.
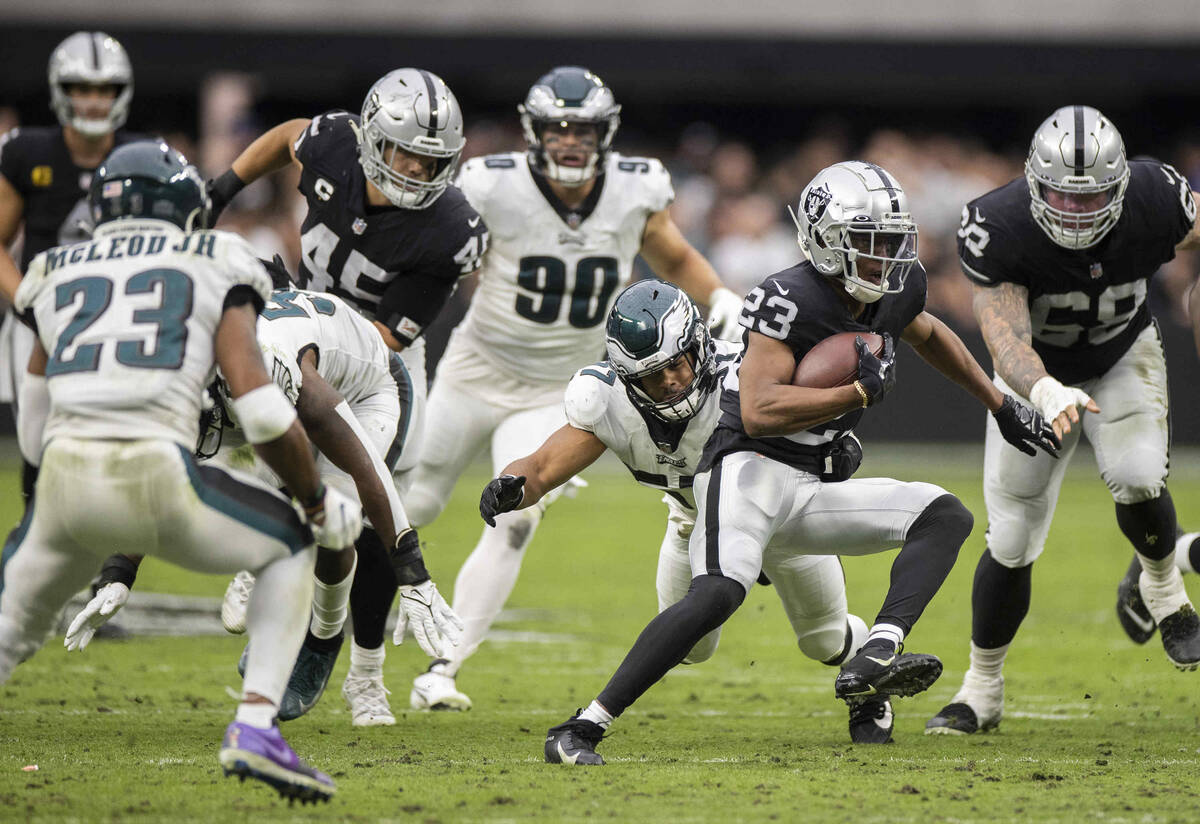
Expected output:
(928, 555)
(709, 602)
(999, 601)
(29, 476)
(1150, 525)
(323, 644)
(373, 590)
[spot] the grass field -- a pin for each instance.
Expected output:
(1095, 728)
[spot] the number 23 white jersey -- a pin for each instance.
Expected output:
(551, 275)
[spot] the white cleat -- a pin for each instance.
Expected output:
(237, 597)
(367, 699)
(437, 691)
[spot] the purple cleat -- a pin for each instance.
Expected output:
(263, 754)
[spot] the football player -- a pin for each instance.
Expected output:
(567, 217)
(1060, 262)
(775, 475)
(130, 326)
(386, 232)
(654, 404)
(45, 172)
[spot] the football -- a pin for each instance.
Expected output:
(834, 361)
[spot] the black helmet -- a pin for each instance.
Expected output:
(148, 179)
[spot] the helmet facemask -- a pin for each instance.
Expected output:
(584, 100)
(1070, 228)
(90, 59)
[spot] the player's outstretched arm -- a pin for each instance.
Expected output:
(12, 209)
(270, 152)
(522, 483)
(941, 348)
(771, 405)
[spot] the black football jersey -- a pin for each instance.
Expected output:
(1086, 306)
(38, 165)
(802, 307)
(398, 266)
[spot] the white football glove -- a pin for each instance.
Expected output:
(1052, 399)
(338, 524)
(433, 622)
(724, 307)
(108, 600)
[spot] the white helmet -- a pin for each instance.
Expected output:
(569, 94)
(91, 58)
(854, 211)
(415, 111)
(1077, 151)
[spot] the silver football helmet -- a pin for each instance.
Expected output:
(1077, 154)
(410, 110)
(91, 58)
(853, 213)
(653, 323)
(569, 94)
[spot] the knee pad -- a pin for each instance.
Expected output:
(422, 505)
(835, 649)
(1140, 477)
(946, 515)
(718, 598)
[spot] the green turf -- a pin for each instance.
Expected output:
(1095, 728)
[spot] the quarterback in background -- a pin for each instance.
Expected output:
(566, 220)
(1060, 262)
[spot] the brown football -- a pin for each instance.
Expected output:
(834, 361)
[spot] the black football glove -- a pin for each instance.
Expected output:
(876, 374)
(1024, 428)
(503, 494)
(281, 278)
(220, 191)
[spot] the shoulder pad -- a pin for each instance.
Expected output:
(241, 264)
(587, 396)
(652, 177)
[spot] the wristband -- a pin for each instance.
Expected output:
(866, 399)
(263, 414)
(227, 186)
(117, 569)
(407, 562)
(316, 503)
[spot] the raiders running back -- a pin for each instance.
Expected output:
(1087, 306)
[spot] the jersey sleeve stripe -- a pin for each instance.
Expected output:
(976, 275)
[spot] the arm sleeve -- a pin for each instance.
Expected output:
(412, 301)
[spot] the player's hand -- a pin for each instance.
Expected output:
(1060, 404)
(104, 605)
(876, 374)
(337, 521)
(503, 494)
(724, 307)
(1025, 428)
(434, 623)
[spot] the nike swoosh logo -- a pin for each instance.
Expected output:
(782, 291)
(473, 222)
(883, 662)
(1146, 624)
(566, 759)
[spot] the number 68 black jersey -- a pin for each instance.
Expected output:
(1086, 306)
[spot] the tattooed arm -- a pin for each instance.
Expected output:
(1003, 315)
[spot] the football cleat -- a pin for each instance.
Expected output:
(976, 707)
(310, 675)
(243, 659)
(250, 752)
(574, 742)
(871, 720)
(881, 669)
(1132, 612)
(233, 607)
(434, 690)
(367, 698)
(1181, 637)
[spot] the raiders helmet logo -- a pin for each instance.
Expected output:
(815, 202)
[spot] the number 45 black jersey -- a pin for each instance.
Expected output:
(1086, 305)
(398, 266)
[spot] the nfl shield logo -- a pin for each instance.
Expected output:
(1096, 271)
(573, 220)
(358, 226)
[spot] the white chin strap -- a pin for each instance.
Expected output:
(571, 176)
(89, 127)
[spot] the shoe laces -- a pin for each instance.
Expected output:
(868, 710)
(241, 585)
(368, 695)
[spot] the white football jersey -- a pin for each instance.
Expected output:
(596, 402)
(128, 321)
(550, 275)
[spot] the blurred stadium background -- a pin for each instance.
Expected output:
(743, 101)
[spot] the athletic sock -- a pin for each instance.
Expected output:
(890, 634)
(597, 715)
(330, 605)
(260, 715)
(988, 663)
(365, 663)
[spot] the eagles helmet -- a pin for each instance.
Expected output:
(1078, 154)
(148, 179)
(653, 323)
(95, 59)
(411, 110)
(569, 94)
(853, 212)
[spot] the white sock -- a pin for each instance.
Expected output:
(1183, 552)
(988, 663)
(891, 632)
(597, 715)
(1161, 571)
(260, 715)
(330, 604)
(275, 617)
(365, 663)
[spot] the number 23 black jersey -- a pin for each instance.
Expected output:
(1086, 306)
(398, 266)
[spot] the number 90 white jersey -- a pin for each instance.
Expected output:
(551, 275)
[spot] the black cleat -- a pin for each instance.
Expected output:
(871, 720)
(954, 719)
(1132, 612)
(880, 669)
(310, 675)
(574, 742)
(1181, 637)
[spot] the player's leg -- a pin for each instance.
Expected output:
(674, 578)
(739, 502)
(1131, 438)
